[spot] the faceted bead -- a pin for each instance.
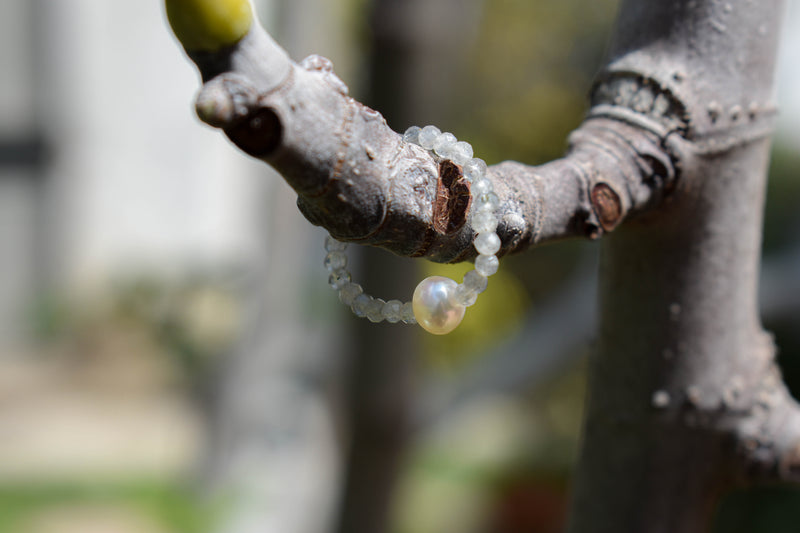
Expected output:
(434, 307)
(412, 134)
(487, 202)
(444, 143)
(338, 278)
(428, 135)
(407, 313)
(393, 311)
(375, 310)
(481, 187)
(335, 261)
(332, 245)
(487, 264)
(461, 152)
(349, 292)
(484, 222)
(359, 305)
(465, 296)
(475, 281)
(475, 169)
(487, 243)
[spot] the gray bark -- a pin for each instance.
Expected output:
(685, 398)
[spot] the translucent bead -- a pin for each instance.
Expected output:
(412, 134)
(349, 292)
(393, 311)
(434, 307)
(335, 261)
(461, 152)
(408, 313)
(487, 202)
(487, 264)
(332, 245)
(487, 243)
(465, 296)
(375, 310)
(481, 187)
(475, 281)
(475, 169)
(428, 135)
(444, 143)
(360, 304)
(484, 222)
(338, 278)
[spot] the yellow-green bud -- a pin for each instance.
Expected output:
(208, 25)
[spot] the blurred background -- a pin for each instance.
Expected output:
(171, 357)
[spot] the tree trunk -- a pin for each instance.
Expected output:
(682, 361)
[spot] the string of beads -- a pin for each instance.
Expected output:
(438, 303)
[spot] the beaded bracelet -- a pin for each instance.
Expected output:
(438, 303)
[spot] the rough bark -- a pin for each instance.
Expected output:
(685, 397)
(360, 180)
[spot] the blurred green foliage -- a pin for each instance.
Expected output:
(782, 211)
(172, 507)
(528, 76)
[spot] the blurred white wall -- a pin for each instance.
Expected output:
(788, 83)
(137, 182)
(133, 182)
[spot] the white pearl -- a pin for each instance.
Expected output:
(434, 308)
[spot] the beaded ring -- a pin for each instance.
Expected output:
(438, 303)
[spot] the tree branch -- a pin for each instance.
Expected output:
(360, 180)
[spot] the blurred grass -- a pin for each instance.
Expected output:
(172, 507)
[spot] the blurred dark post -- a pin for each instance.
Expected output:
(23, 158)
(415, 48)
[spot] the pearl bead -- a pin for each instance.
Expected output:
(434, 307)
